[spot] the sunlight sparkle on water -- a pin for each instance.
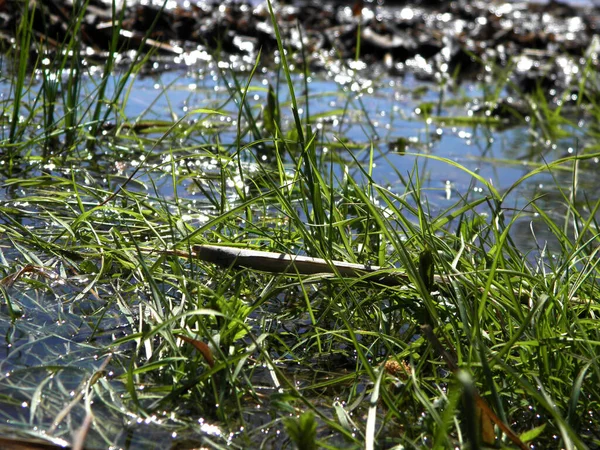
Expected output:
(210, 429)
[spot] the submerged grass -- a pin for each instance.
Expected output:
(114, 339)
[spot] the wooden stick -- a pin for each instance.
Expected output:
(292, 264)
(277, 262)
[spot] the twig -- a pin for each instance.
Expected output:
(292, 264)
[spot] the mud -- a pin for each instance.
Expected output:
(547, 43)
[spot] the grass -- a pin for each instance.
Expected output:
(111, 339)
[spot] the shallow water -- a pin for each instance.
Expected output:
(382, 111)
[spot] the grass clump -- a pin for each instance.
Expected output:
(116, 336)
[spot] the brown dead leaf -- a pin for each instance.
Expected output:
(202, 348)
(486, 427)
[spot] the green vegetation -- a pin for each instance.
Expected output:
(111, 337)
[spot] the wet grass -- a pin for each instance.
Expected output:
(112, 337)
